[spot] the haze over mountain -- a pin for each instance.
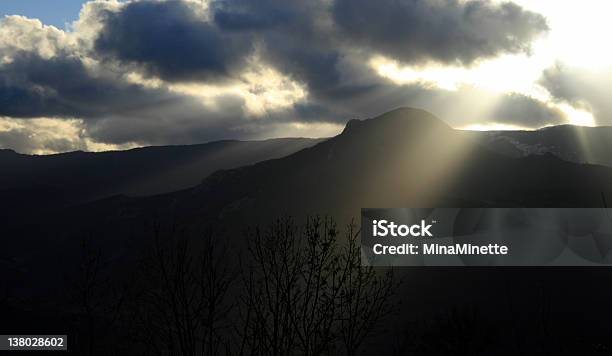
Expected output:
(578, 144)
(404, 158)
(60, 180)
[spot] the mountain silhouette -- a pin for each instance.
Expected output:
(404, 158)
(55, 181)
(577, 144)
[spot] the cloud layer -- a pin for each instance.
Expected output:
(160, 72)
(583, 88)
(443, 30)
(170, 40)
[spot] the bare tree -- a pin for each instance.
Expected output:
(307, 293)
(214, 280)
(364, 295)
(182, 306)
(88, 285)
(271, 288)
(99, 300)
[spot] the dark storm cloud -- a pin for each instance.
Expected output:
(563, 83)
(171, 41)
(584, 88)
(293, 38)
(241, 15)
(113, 110)
(310, 40)
(459, 108)
(408, 30)
(180, 122)
(61, 86)
(525, 111)
(443, 30)
(316, 68)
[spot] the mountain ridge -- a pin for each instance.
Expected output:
(579, 144)
(78, 177)
(405, 157)
(369, 165)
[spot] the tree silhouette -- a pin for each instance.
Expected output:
(99, 300)
(182, 305)
(306, 291)
(303, 291)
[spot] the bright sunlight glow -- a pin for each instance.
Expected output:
(577, 37)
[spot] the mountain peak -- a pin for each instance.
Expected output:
(399, 120)
(410, 114)
(406, 110)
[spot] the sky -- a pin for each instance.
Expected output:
(58, 13)
(106, 74)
